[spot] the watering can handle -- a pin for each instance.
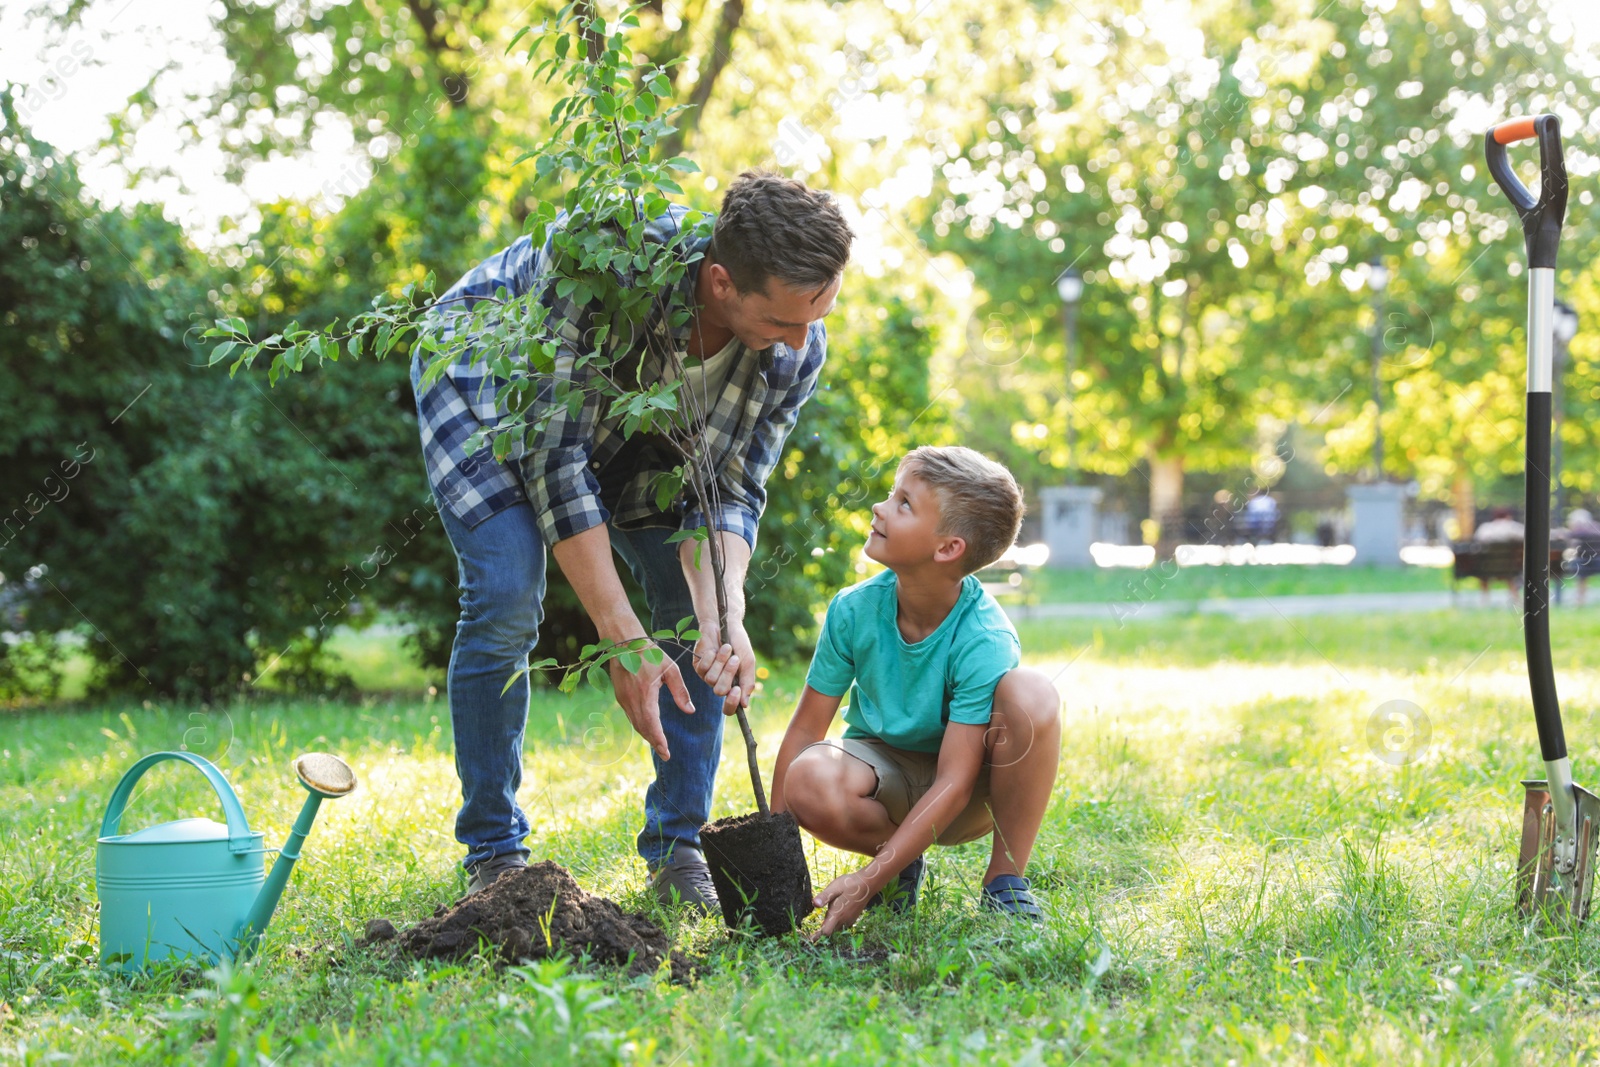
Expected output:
(239, 836)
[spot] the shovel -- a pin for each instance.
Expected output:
(1555, 864)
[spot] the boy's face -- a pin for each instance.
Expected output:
(905, 528)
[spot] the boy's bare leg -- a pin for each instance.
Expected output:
(1024, 743)
(830, 793)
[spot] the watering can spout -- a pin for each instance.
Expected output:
(324, 776)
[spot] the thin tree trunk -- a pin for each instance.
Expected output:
(1462, 499)
(1166, 500)
(703, 485)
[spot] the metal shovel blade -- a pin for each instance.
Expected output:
(1541, 886)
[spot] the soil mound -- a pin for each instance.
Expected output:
(533, 913)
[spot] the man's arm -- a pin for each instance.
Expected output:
(586, 560)
(812, 717)
(725, 661)
(960, 759)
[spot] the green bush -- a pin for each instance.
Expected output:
(196, 531)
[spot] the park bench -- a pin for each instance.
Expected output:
(1497, 561)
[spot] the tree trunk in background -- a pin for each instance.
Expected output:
(1166, 501)
(711, 67)
(1462, 500)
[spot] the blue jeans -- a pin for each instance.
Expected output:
(502, 576)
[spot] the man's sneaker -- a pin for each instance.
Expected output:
(902, 896)
(1010, 894)
(483, 873)
(685, 879)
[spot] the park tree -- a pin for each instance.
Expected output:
(1389, 167)
(194, 534)
(1220, 185)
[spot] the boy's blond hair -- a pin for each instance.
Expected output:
(979, 501)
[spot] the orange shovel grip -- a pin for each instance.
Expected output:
(1514, 131)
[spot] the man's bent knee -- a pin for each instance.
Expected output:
(504, 627)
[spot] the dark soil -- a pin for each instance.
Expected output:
(759, 868)
(533, 913)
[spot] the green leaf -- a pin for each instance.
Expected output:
(630, 662)
(697, 534)
(513, 680)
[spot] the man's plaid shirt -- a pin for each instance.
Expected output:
(558, 471)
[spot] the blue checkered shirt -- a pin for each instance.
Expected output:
(559, 470)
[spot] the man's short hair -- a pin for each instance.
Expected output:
(979, 500)
(775, 227)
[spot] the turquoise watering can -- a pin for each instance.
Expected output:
(196, 887)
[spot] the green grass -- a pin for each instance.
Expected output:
(1045, 585)
(1229, 872)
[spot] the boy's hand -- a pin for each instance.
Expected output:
(846, 897)
(728, 666)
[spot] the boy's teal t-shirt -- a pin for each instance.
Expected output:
(904, 693)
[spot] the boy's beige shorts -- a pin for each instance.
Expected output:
(905, 777)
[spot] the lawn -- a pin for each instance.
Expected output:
(1230, 873)
(1167, 581)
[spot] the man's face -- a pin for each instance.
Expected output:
(761, 320)
(905, 528)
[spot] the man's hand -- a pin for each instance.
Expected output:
(639, 696)
(846, 897)
(728, 666)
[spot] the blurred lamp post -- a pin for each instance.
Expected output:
(1378, 280)
(1069, 286)
(1566, 328)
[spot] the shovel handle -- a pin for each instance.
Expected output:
(1541, 217)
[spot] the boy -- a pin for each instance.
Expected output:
(946, 738)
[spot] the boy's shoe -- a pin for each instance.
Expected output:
(685, 879)
(903, 897)
(1010, 894)
(484, 872)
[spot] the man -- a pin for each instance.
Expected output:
(771, 271)
(1501, 528)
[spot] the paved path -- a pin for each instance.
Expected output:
(1268, 607)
